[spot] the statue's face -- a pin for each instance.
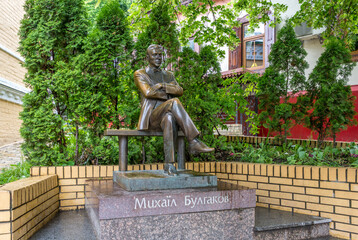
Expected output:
(155, 57)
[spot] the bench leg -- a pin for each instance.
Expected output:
(181, 153)
(123, 152)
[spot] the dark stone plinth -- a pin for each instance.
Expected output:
(271, 224)
(222, 212)
(158, 180)
(229, 224)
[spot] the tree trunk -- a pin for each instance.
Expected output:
(334, 141)
(143, 151)
(320, 139)
(76, 151)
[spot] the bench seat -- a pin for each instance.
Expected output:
(123, 135)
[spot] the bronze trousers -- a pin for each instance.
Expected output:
(168, 116)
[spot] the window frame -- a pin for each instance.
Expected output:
(252, 38)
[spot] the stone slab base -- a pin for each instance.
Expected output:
(295, 233)
(272, 224)
(159, 180)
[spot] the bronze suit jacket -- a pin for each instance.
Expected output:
(150, 96)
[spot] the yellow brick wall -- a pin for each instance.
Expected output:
(9, 122)
(26, 205)
(72, 180)
(11, 13)
(320, 191)
(11, 69)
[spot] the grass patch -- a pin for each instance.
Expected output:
(15, 172)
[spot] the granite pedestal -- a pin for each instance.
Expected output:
(223, 212)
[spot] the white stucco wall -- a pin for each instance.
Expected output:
(353, 80)
(314, 50)
(224, 64)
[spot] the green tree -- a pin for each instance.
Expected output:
(339, 17)
(160, 30)
(332, 102)
(199, 75)
(93, 7)
(281, 81)
(236, 92)
(105, 77)
(206, 95)
(205, 21)
(51, 36)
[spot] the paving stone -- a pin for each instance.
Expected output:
(67, 225)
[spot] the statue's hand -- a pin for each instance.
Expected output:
(159, 86)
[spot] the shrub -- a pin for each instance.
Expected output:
(15, 172)
(281, 81)
(331, 101)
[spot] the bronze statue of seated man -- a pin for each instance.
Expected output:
(162, 110)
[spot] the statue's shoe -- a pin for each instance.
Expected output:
(170, 169)
(197, 146)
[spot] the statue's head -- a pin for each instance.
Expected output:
(155, 55)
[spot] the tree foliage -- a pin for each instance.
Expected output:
(199, 75)
(106, 71)
(258, 11)
(281, 81)
(332, 102)
(205, 21)
(339, 18)
(80, 70)
(237, 92)
(81, 80)
(51, 36)
(81, 73)
(160, 30)
(107, 97)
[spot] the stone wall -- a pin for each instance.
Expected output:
(26, 205)
(321, 191)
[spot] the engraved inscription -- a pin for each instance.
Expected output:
(188, 201)
(154, 203)
(194, 201)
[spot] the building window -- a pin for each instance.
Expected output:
(253, 50)
(191, 44)
(254, 47)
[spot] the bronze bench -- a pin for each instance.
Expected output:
(123, 135)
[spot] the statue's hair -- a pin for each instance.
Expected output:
(155, 46)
